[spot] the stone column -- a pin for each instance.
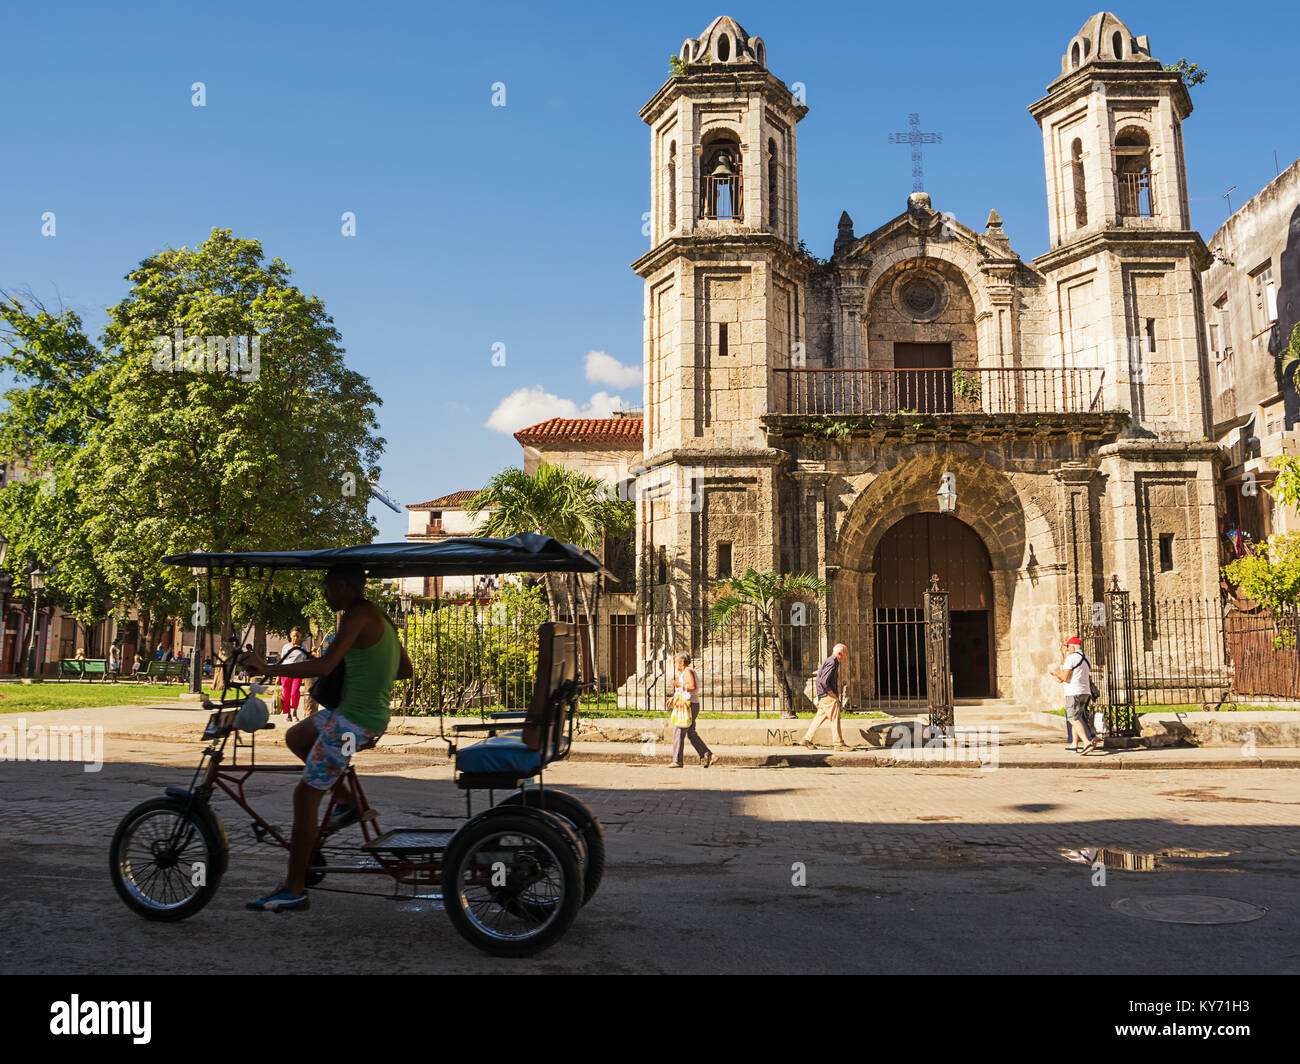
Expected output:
(1079, 575)
(813, 535)
(854, 350)
(1004, 583)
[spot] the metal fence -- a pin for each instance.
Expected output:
(477, 657)
(1265, 651)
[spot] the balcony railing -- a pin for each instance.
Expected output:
(1050, 390)
(1137, 195)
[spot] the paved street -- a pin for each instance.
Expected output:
(907, 870)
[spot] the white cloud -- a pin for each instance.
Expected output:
(606, 369)
(528, 406)
(602, 404)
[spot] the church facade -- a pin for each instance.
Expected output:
(926, 402)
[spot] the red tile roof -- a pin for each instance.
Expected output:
(455, 501)
(584, 430)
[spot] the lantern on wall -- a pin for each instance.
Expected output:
(947, 493)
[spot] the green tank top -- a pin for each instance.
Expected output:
(368, 681)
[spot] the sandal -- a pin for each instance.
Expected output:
(806, 742)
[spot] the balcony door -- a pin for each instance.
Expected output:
(929, 392)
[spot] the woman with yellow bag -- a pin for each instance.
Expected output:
(685, 708)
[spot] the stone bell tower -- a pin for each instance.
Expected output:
(1123, 273)
(724, 309)
(1123, 294)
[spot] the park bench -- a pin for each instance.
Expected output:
(95, 667)
(87, 668)
(154, 670)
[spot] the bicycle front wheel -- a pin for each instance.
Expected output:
(165, 861)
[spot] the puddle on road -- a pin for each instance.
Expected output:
(1136, 861)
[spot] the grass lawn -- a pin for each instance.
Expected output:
(33, 698)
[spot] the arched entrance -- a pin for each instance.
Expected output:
(907, 555)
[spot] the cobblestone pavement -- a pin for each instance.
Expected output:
(904, 870)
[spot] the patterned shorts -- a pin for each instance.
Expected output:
(327, 759)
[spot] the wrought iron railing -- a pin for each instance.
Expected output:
(943, 391)
(720, 197)
(1137, 197)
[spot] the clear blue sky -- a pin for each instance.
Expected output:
(479, 225)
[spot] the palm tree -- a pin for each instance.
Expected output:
(764, 593)
(569, 506)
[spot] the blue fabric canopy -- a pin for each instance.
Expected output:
(464, 556)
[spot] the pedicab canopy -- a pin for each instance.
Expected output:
(464, 556)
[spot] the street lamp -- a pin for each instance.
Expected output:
(947, 493)
(36, 576)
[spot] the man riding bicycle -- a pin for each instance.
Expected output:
(367, 644)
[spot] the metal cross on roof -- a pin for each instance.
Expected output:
(915, 138)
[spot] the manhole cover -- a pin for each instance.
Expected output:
(1190, 909)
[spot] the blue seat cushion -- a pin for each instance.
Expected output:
(503, 753)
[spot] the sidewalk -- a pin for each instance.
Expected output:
(639, 742)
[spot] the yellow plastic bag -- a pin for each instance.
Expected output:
(681, 715)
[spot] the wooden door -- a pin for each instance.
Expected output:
(927, 387)
(922, 544)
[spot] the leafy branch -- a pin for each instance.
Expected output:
(1191, 73)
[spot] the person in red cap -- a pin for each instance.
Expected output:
(1076, 675)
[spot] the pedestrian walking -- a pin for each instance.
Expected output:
(114, 661)
(292, 653)
(827, 693)
(686, 706)
(1075, 673)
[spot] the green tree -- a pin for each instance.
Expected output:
(764, 593)
(50, 413)
(1289, 357)
(1270, 574)
(272, 449)
(569, 506)
(273, 455)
